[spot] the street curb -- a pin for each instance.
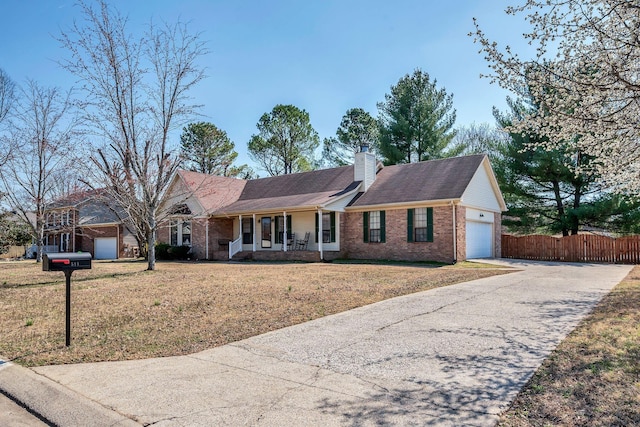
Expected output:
(53, 403)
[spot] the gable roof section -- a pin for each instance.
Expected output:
(76, 198)
(294, 191)
(432, 180)
(429, 181)
(211, 191)
(483, 191)
(94, 207)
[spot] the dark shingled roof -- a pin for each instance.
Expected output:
(94, 206)
(413, 182)
(292, 191)
(76, 198)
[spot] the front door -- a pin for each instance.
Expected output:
(266, 232)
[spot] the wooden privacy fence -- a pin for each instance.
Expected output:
(578, 248)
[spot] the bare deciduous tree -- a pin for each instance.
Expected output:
(136, 95)
(43, 129)
(7, 94)
(7, 101)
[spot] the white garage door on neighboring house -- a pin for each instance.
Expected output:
(479, 240)
(105, 248)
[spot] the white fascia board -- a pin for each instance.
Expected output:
(400, 205)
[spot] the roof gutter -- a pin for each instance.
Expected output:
(441, 202)
(263, 211)
(304, 208)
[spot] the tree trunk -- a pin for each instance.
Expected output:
(39, 239)
(577, 195)
(142, 245)
(560, 208)
(151, 243)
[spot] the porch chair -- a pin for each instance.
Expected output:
(301, 245)
(291, 239)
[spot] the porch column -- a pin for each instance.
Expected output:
(240, 226)
(284, 234)
(255, 232)
(319, 237)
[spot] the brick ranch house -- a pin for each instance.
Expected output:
(441, 210)
(83, 221)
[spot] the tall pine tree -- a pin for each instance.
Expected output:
(286, 141)
(207, 149)
(356, 128)
(416, 121)
(553, 190)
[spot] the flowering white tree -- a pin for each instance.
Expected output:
(585, 76)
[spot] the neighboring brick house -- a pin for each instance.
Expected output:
(441, 210)
(84, 221)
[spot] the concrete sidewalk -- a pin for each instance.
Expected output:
(450, 356)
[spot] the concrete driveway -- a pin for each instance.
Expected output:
(456, 355)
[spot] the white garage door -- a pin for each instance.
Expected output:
(105, 248)
(479, 240)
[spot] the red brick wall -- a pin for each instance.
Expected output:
(396, 246)
(198, 239)
(218, 229)
(86, 235)
(461, 231)
(163, 233)
(497, 234)
(307, 256)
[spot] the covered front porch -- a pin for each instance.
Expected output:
(310, 235)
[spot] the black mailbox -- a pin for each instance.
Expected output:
(66, 261)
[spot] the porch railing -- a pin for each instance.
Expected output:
(32, 251)
(235, 247)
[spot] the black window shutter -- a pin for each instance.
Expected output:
(289, 232)
(429, 224)
(365, 226)
(277, 226)
(317, 238)
(332, 217)
(382, 228)
(410, 225)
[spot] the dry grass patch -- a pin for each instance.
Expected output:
(593, 377)
(120, 311)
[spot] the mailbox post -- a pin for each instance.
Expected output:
(67, 262)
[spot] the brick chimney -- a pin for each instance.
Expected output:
(364, 168)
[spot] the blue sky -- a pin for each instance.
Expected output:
(323, 56)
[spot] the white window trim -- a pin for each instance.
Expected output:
(178, 223)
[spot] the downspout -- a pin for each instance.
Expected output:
(319, 236)
(118, 240)
(455, 236)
